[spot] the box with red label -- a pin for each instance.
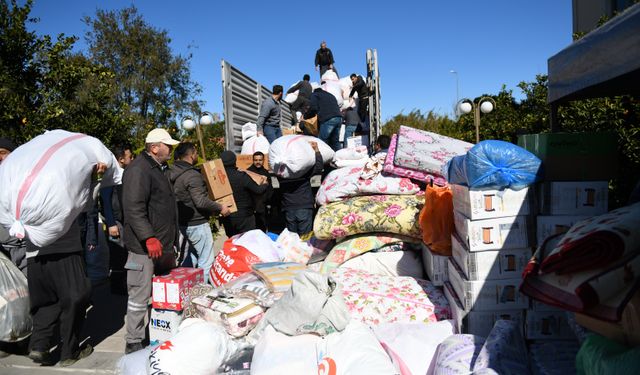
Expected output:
(170, 291)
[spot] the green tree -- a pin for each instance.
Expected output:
(153, 83)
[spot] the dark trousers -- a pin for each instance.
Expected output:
(59, 293)
(238, 224)
(299, 221)
(117, 259)
(300, 104)
(363, 108)
(261, 220)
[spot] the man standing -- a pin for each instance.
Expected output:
(150, 228)
(304, 94)
(269, 117)
(12, 245)
(260, 200)
(298, 199)
(326, 107)
(244, 188)
(361, 88)
(114, 219)
(194, 206)
(324, 59)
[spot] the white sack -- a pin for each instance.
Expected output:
(291, 156)
(15, 321)
(249, 130)
(135, 363)
(330, 75)
(50, 179)
(291, 97)
(254, 144)
(390, 263)
(333, 88)
(260, 245)
(352, 153)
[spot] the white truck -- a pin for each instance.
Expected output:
(242, 96)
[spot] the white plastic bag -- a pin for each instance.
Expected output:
(291, 156)
(294, 249)
(255, 143)
(15, 320)
(249, 130)
(48, 181)
(134, 363)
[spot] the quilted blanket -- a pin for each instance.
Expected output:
(426, 151)
(396, 214)
(390, 168)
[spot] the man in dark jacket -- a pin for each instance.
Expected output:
(302, 102)
(244, 188)
(298, 201)
(194, 207)
(150, 228)
(260, 201)
(326, 107)
(324, 59)
(361, 88)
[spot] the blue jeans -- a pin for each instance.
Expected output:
(299, 221)
(200, 242)
(272, 132)
(349, 131)
(330, 132)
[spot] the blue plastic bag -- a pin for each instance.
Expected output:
(494, 165)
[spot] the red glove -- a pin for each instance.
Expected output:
(154, 247)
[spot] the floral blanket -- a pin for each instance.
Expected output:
(425, 151)
(390, 168)
(387, 299)
(347, 182)
(396, 214)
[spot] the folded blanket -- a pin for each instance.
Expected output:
(390, 168)
(359, 244)
(425, 151)
(377, 213)
(596, 242)
(504, 351)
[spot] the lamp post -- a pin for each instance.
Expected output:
(457, 92)
(189, 123)
(484, 105)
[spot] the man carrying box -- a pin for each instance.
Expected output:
(194, 206)
(150, 228)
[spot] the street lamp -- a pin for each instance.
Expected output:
(188, 123)
(484, 105)
(457, 92)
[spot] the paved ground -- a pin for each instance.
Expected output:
(104, 329)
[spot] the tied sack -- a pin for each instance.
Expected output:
(254, 144)
(436, 219)
(291, 156)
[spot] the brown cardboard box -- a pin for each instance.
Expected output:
(245, 161)
(258, 178)
(216, 178)
(288, 131)
(229, 202)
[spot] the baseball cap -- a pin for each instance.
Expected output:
(160, 135)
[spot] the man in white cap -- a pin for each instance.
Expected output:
(150, 228)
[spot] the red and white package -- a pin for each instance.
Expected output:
(231, 262)
(170, 292)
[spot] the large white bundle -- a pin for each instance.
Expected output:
(291, 97)
(314, 85)
(15, 320)
(47, 182)
(249, 130)
(291, 156)
(330, 75)
(254, 144)
(333, 88)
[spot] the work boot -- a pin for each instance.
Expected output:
(41, 357)
(133, 347)
(83, 353)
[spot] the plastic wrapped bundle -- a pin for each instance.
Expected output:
(15, 320)
(494, 165)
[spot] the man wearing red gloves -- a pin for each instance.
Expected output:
(150, 229)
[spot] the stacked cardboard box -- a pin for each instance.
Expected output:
(435, 266)
(490, 248)
(218, 184)
(169, 297)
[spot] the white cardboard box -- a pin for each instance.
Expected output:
(487, 204)
(491, 264)
(549, 225)
(493, 234)
(574, 198)
(477, 322)
(486, 295)
(359, 140)
(435, 266)
(163, 324)
(548, 325)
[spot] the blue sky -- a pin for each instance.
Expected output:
(489, 43)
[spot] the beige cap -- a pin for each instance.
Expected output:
(160, 135)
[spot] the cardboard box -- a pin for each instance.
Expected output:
(486, 295)
(491, 264)
(163, 325)
(574, 156)
(288, 131)
(257, 178)
(170, 291)
(487, 204)
(216, 178)
(550, 225)
(228, 201)
(360, 140)
(574, 198)
(477, 322)
(245, 161)
(493, 234)
(435, 266)
(547, 325)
